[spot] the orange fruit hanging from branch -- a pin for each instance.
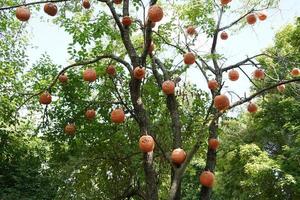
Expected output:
(191, 30)
(224, 35)
(63, 78)
(295, 72)
(252, 107)
(251, 19)
(90, 114)
(259, 74)
(126, 21)
(207, 179)
(45, 98)
(168, 87)
(146, 143)
(89, 75)
(233, 75)
(178, 156)
(23, 13)
(281, 88)
(189, 58)
(213, 143)
(111, 70)
(117, 116)
(139, 73)
(50, 9)
(262, 16)
(213, 84)
(86, 4)
(70, 129)
(155, 13)
(221, 102)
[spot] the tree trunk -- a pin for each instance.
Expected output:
(151, 178)
(143, 121)
(211, 155)
(175, 191)
(172, 104)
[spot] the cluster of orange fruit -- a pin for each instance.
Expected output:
(250, 18)
(23, 13)
(221, 102)
(155, 13)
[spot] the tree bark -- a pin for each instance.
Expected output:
(143, 121)
(205, 193)
(175, 191)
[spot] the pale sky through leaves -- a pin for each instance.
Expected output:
(49, 38)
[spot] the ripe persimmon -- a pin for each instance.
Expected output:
(189, 58)
(90, 114)
(50, 9)
(111, 70)
(139, 73)
(86, 4)
(89, 75)
(63, 78)
(155, 13)
(224, 35)
(233, 75)
(126, 21)
(295, 72)
(251, 18)
(117, 1)
(178, 156)
(281, 88)
(252, 107)
(225, 2)
(117, 116)
(221, 102)
(262, 16)
(259, 74)
(70, 129)
(213, 143)
(213, 84)
(168, 87)
(146, 143)
(23, 13)
(207, 179)
(191, 30)
(45, 98)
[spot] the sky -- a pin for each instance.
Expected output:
(47, 37)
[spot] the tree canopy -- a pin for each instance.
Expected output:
(100, 159)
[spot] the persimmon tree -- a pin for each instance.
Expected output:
(135, 55)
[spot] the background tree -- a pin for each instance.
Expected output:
(103, 156)
(268, 141)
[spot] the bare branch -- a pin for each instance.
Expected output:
(33, 3)
(244, 100)
(237, 20)
(244, 61)
(148, 38)
(182, 51)
(122, 101)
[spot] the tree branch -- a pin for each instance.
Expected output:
(148, 38)
(33, 3)
(80, 63)
(244, 100)
(244, 61)
(237, 20)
